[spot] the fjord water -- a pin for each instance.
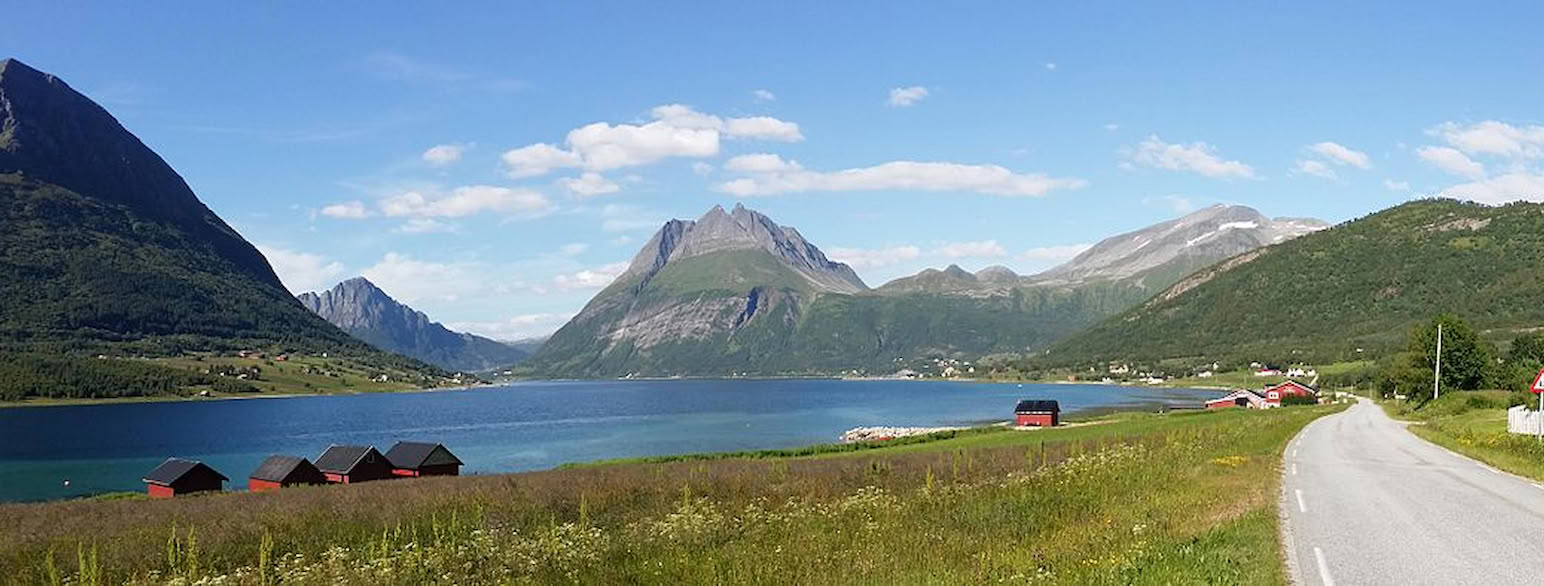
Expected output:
(522, 426)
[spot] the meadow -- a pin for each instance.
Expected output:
(1136, 498)
(1473, 423)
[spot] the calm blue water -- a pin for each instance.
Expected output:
(521, 426)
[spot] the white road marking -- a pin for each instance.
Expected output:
(1301, 508)
(1294, 452)
(1324, 568)
(1294, 469)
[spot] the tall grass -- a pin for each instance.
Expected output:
(1141, 500)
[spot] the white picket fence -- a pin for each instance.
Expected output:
(1520, 420)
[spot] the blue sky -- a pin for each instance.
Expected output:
(493, 165)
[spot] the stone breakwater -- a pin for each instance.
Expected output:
(864, 434)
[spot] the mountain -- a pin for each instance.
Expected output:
(104, 246)
(1352, 291)
(368, 313)
(736, 293)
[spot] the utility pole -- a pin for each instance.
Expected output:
(1436, 378)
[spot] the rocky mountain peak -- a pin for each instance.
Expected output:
(741, 229)
(997, 274)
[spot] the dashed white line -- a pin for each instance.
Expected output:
(1294, 470)
(1294, 452)
(1301, 508)
(1324, 568)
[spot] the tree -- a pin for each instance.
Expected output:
(1527, 349)
(1466, 358)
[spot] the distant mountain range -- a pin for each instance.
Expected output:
(368, 313)
(734, 292)
(1349, 292)
(105, 248)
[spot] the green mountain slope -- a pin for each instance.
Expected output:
(1360, 285)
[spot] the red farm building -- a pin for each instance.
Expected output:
(1033, 413)
(1244, 398)
(1291, 388)
(350, 464)
(413, 459)
(177, 476)
(280, 471)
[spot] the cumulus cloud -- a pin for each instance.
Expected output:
(902, 97)
(788, 177)
(1314, 167)
(301, 271)
(529, 325)
(592, 278)
(869, 258)
(1196, 157)
(1451, 160)
(410, 280)
(763, 95)
(1501, 189)
(349, 210)
(444, 155)
(589, 184)
(1341, 155)
(676, 131)
(760, 163)
(1493, 138)
(465, 201)
(1055, 253)
(976, 249)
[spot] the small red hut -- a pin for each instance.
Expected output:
(414, 459)
(1033, 413)
(350, 464)
(280, 471)
(177, 476)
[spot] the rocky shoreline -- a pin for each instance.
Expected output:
(877, 433)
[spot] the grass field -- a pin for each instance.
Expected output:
(1473, 423)
(1180, 498)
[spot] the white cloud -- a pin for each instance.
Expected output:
(1341, 155)
(1314, 167)
(701, 168)
(676, 131)
(1197, 157)
(425, 226)
(1501, 189)
(902, 175)
(593, 278)
(444, 155)
(868, 258)
(530, 325)
(1494, 138)
(763, 95)
(902, 97)
(410, 280)
(589, 184)
(301, 271)
(977, 249)
(1055, 253)
(1451, 160)
(351, 210)
(760, 163)
(537, 159)
(573, 249)
(467, 200)
(1393, 185)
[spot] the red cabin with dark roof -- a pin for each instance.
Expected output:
(280, 471)
(1032, 413)
(1291, 388)
(177, 476)
(413, 459)
(350, 464)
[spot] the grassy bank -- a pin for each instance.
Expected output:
(1145, 499)
(1473, 423)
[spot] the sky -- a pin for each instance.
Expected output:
(494, 165)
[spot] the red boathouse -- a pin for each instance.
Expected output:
(280, 471)
(1032, 413)
(350, 464)
(413, 459)
(177, 476)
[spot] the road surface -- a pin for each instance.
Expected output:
(1366, 502)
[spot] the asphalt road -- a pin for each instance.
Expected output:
(1366, 502)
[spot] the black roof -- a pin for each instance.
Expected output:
(343, 459)
(414, 455)
(279, 468)
(1037, 406)
(174, 469)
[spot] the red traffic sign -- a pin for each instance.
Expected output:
(1538, 383)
